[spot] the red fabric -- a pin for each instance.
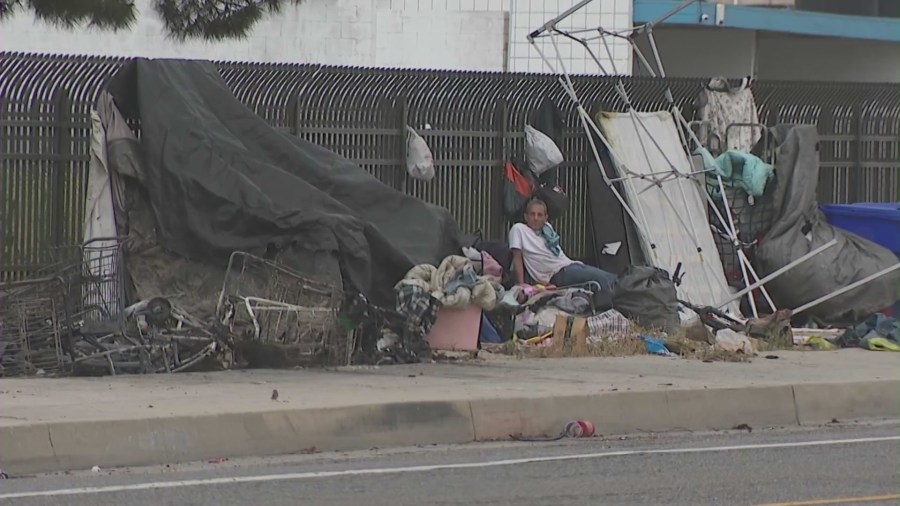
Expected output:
(520, 183)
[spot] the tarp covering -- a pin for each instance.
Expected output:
(800, 227)
(673, 214)
(608, 221)
(218, 178)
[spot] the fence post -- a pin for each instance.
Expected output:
(498, 220)
(853, 182)
(293, 114)
(5, 176)
(860, 155)
(62, 151)
(400, 179)
(827, 126)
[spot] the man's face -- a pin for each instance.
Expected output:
(536, 216)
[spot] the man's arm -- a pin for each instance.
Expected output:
(518, 266)
(515, 245)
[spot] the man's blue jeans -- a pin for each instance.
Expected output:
(578, 273)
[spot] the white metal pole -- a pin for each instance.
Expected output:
(778, 272)
(851, 286)
(733, 235)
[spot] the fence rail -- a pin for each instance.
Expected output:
(471, 120)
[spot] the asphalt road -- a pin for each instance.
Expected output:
(827, 465)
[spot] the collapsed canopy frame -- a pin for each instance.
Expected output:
(584, 37)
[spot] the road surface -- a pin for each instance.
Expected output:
(819, 466)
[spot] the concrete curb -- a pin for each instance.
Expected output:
(27, 449)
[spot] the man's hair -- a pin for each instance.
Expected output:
(534, 202)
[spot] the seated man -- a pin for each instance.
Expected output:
(535, 247)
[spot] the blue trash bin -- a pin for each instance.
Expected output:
(877, 222)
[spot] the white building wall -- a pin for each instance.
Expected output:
(435, 34)
(706, 52)
(527, 15)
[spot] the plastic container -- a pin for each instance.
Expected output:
(879, 223)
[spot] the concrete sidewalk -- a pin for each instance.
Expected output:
(76, 423)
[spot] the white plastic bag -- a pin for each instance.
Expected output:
(419, 160)
(542, 153)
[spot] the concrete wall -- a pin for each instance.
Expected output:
(701, 52)
(705, 52)
(445, 34)
(806, 58)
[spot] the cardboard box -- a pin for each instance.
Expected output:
(570, 334)
(456, 330)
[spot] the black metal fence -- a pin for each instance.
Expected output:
(472, 122)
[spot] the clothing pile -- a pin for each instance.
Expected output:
(454, 284)
(536, 310)
(426, 289)
(877, 333)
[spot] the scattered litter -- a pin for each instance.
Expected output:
(743, 426)
(274, 395)
(611, 248)
(802, 336)
(735, 342)
(217, 460)
(95, 469)
(772, 357)
(574, 429)
(3, 475)
(819, 343)
(579, 428)
(656, 346)
(310, 451)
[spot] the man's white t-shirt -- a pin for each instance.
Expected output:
(539, 261)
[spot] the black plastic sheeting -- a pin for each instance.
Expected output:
(609, 221)
(800, 227)
(218, 178)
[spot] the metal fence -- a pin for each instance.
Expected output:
(471, 120)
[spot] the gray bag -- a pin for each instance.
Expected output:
(800, 227)
(646, 296)
(419, 160)
(541, 152)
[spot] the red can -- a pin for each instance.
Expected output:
(580, 428)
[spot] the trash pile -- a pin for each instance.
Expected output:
(76, 322)
(273, 252)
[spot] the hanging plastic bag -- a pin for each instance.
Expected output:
(517, 190)
(556, 199)
(419, 160)
(542, 153)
